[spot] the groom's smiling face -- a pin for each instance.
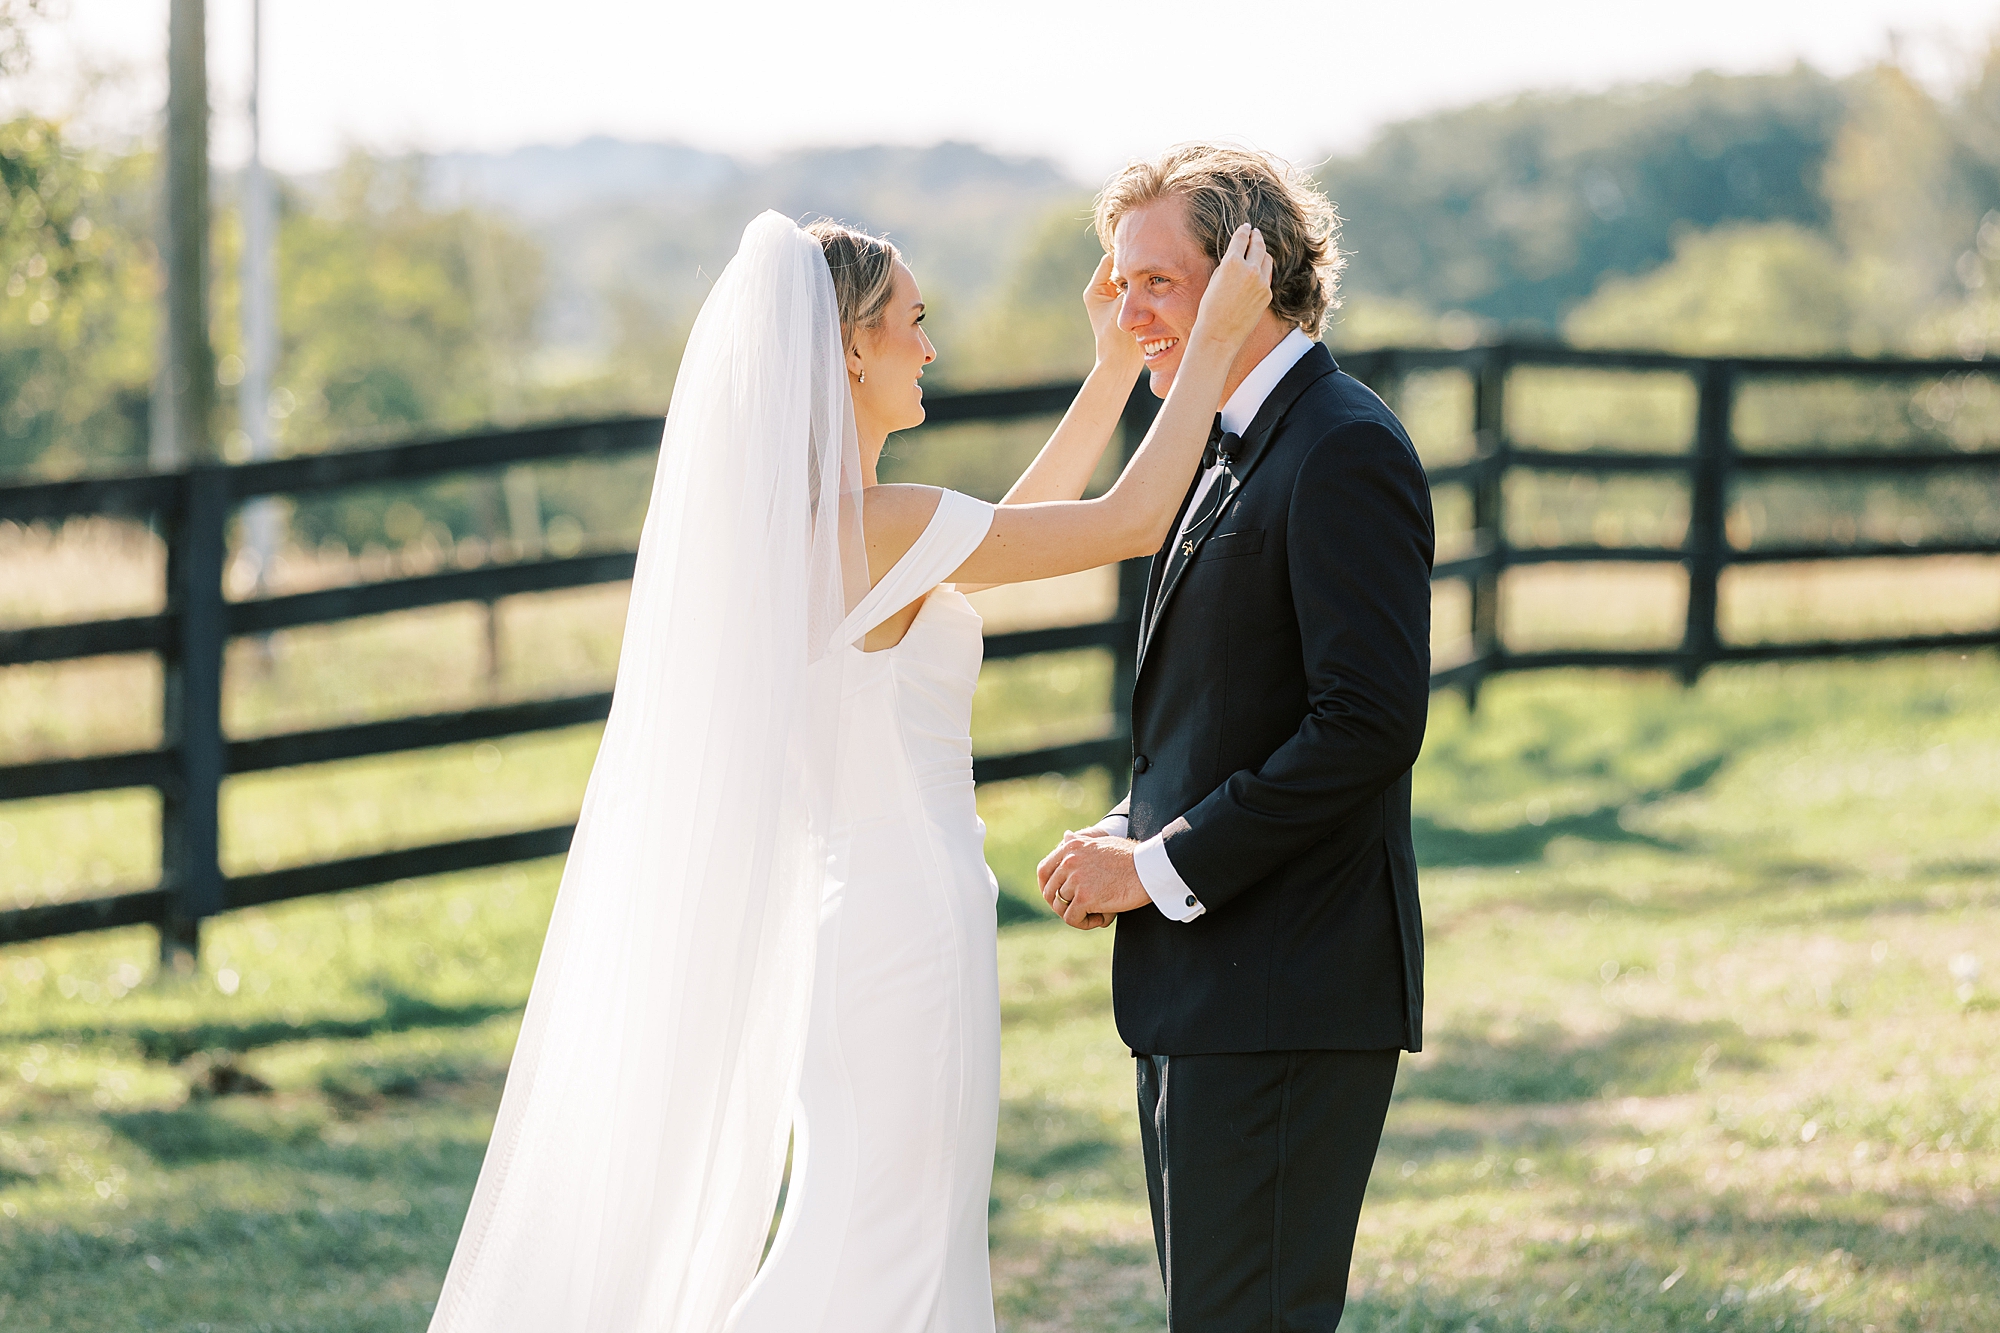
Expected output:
(1162, 269)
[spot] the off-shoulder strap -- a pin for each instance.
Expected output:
(954, 532)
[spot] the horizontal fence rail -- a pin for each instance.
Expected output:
(192, 508)
(1709, 467)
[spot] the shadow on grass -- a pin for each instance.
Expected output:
(1860, 907)
(1883, 1228)
(1041, 1139)
(358, 1083)
(1436, 1307)
(197, 1132)
(1076, 1284)
(1770, 896)
(1430, 1141)
(401, 1012)
(1443, 845)
(1545, 1062)
(282, 1141)
(1038, 1139)
(1014, 908)
(1688, 1254)
(1962, 869)
(266, 1257)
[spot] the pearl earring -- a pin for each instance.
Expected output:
(863, 378)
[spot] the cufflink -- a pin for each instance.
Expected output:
(1190, 901)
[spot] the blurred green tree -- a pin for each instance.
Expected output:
(1899, 202)
(1773, 289)
(1967, 323)
(1515, 210)
(1033, 328)
(77, 323)
(1373, 320)
(396, 315)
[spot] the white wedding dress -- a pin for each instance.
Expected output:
(775, 924)
(884, 1227)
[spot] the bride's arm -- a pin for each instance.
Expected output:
(1066, 463)
(1041, 540)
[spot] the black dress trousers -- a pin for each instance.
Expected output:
(1256, 1164)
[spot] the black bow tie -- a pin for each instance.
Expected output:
(1221, 445)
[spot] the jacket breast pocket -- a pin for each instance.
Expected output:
(1226, 544)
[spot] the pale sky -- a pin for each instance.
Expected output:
(1086, 83)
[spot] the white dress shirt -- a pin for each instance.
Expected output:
(1155, 868)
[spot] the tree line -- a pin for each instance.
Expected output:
(1782, 213)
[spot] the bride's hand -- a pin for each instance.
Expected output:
(1238, 292)
(1101, 301)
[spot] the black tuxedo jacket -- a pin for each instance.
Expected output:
(1279, 706)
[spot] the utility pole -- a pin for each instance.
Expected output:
(184, 389)
(263, 520)
(183, 402)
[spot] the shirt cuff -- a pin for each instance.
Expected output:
(1169, 892)
(1113, 825)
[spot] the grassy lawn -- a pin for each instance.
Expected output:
(1708, 1043)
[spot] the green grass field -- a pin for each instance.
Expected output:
(1709, 1047)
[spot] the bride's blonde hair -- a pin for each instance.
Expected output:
(864, 274)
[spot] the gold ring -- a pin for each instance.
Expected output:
(1064, 901)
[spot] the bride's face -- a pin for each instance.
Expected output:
(893, 355)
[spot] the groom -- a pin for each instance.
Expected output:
(1269, 958)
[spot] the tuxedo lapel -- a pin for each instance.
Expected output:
(1159, 565)
(1175, 563)
(1314, 365)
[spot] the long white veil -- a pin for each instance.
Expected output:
(632, 1174)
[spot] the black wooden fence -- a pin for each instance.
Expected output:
(1709, 467)
(193, 509)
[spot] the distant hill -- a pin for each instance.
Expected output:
(542, 181)
(1514, 211)
(1722, 214)
(652, 224)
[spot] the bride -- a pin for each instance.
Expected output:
(776, 923)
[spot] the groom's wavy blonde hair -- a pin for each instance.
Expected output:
(864, 274)
(1225, 187)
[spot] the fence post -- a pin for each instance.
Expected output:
(1140, 409)
(1707, 543)
(190, 867)
(1489, 519)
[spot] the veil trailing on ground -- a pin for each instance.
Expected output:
(635, 1165)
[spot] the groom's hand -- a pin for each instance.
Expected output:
(1089, 879)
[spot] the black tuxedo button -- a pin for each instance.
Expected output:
(1140, 764)
(1190, 901)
